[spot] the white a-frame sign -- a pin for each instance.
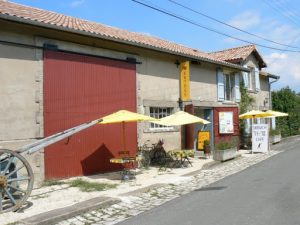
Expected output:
(260, 138)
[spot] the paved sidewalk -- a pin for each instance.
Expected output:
(134, 204)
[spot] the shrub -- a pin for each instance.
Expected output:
(227, 144)
(206, 142)
(274, 132)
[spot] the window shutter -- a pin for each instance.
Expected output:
(257, 82)
(246, 78)
(237, 87)
(221, 86)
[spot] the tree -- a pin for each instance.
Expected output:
(286, 100)
(245, 106)
(246, 99)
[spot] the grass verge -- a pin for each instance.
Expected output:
(49, 183)
(87, 186)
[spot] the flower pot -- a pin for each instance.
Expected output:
(275, 138)
(223, 155)
(207, 151)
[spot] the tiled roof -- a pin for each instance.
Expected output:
(40, 17)
(233, 54)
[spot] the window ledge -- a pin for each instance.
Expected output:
(229, 103)
(161, 130)
(252, 91)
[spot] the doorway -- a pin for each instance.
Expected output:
(207, 114)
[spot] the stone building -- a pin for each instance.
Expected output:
(58, 71)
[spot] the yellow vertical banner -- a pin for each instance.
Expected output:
(185, 81)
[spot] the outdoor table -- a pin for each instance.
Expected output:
(181, 156)
(127, 162)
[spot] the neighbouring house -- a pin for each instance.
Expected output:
(257, 82)
(58, 71)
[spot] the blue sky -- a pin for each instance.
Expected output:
(277, 20)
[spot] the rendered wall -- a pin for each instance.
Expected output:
(20, 112)
(158, 86)
(203, 83)
(262, 101)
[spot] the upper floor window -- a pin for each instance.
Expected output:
(251, 79)
(158, 113)
(228, 86)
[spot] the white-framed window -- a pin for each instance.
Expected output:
(247, 80)
(158, 113)
(252, 78)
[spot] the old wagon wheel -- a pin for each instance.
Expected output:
(16, 180)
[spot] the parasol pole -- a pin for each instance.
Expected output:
(251, 134)
(123, 134)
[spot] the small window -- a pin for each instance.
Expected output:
(158, 113)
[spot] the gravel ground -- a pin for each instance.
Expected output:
(135, 204)
(59, 196)
(173, 183)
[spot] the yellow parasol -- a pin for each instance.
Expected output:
(123, 116)
(276, 113)
(255, 114)
(180, 118)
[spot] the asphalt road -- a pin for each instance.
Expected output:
(265, 194)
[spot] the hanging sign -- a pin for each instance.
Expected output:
(226, 123)
(185, 81)
(260, 138)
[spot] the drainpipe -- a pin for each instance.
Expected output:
(270, 94)
(270, 83)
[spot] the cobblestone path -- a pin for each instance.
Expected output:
(133, 205)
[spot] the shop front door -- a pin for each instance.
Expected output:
(207, 114)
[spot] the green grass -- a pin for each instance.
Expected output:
(83, 185)
(87, 186)
(48, 183)
(154, 194)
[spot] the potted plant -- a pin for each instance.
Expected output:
(225, 150)
(206, 144)
(275, 136)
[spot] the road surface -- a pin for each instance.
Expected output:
(266, 193)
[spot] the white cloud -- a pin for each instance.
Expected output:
(282, 33)
(264, 27)
(283, 63)
(276, 55)
(246, 20)
(287, 66)
(77, 3)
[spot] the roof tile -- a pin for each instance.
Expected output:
(47, 17)
(232, 54)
